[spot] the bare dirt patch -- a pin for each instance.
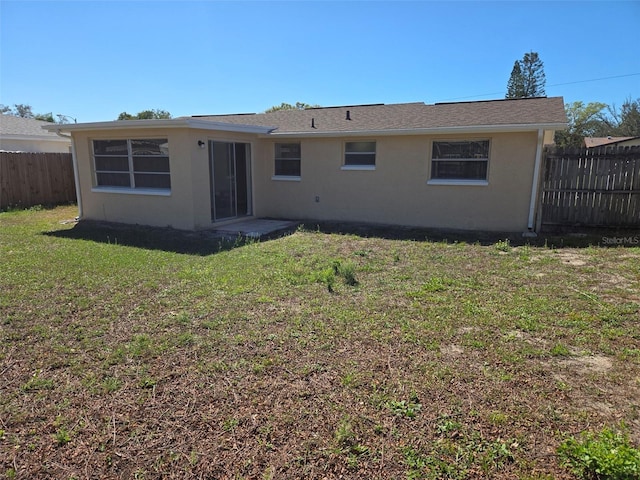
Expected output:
(573, 258)
(586, 365)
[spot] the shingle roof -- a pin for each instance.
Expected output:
(406, 116)
(592, 142)
(24, 127)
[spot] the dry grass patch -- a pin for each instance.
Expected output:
(165, 356)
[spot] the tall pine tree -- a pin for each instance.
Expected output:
(515, 86)
(527, 78)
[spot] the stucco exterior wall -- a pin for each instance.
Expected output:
(187, 206)
(200, 174)
(397, 191)
(173, 210)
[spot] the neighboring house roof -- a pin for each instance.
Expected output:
(183, 122)
(403, 118)
(409, 117)
(18, 128)
(592, 142)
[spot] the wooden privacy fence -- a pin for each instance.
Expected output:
(28, 179)
(596, 187)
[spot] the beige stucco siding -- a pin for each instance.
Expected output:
(200, 173)
(397, 191)
(172, 210)
(187, 206)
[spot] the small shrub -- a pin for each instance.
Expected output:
(607, 455)
(348, 274)
(338, 269)
(328, 277)
(503, 245)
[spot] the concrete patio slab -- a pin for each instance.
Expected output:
(256, 228)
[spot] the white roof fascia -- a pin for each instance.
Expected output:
(148, 124)
(425, 131)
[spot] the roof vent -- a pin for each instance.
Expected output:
(313, 122)
(348, 115)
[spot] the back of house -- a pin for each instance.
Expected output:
(466, 165)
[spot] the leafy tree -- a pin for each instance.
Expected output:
(145, 115)
(626, 122)
(45, 117)
(527, 78)
(599, 120)
(288, 106)
(584, 121)
(23, 110)
(18, 110)
(26, 111)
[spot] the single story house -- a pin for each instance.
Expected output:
(593, 142)
(465, 165)
(19, 134)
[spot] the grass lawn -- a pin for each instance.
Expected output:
(315, 355)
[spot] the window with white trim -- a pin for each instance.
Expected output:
(360, 154)
(460, 160)
(287, 160)
(132, 163)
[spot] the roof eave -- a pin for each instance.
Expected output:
(475, 129)
(157, 123)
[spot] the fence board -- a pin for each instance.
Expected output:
(28, 179)
(597, 187)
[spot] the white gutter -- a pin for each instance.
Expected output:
(535, 183)
(473, 129)
(76, 175)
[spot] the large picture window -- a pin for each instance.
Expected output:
(460, 160)
(132, 163)
(287, 160)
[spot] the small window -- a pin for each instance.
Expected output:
(460, 160)
(142, 163)
(360, 154)
(287, 160)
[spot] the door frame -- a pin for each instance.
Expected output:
(246, 206)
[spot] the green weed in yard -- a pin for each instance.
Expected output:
(168, 352)
(606, 455)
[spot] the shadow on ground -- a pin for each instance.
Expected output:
(208, 242)
(202, 243)
(575, 237)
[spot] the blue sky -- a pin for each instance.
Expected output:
(92, 60)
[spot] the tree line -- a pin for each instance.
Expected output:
(593, 119)
(24, 110)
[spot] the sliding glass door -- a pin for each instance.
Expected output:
(230, 180)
